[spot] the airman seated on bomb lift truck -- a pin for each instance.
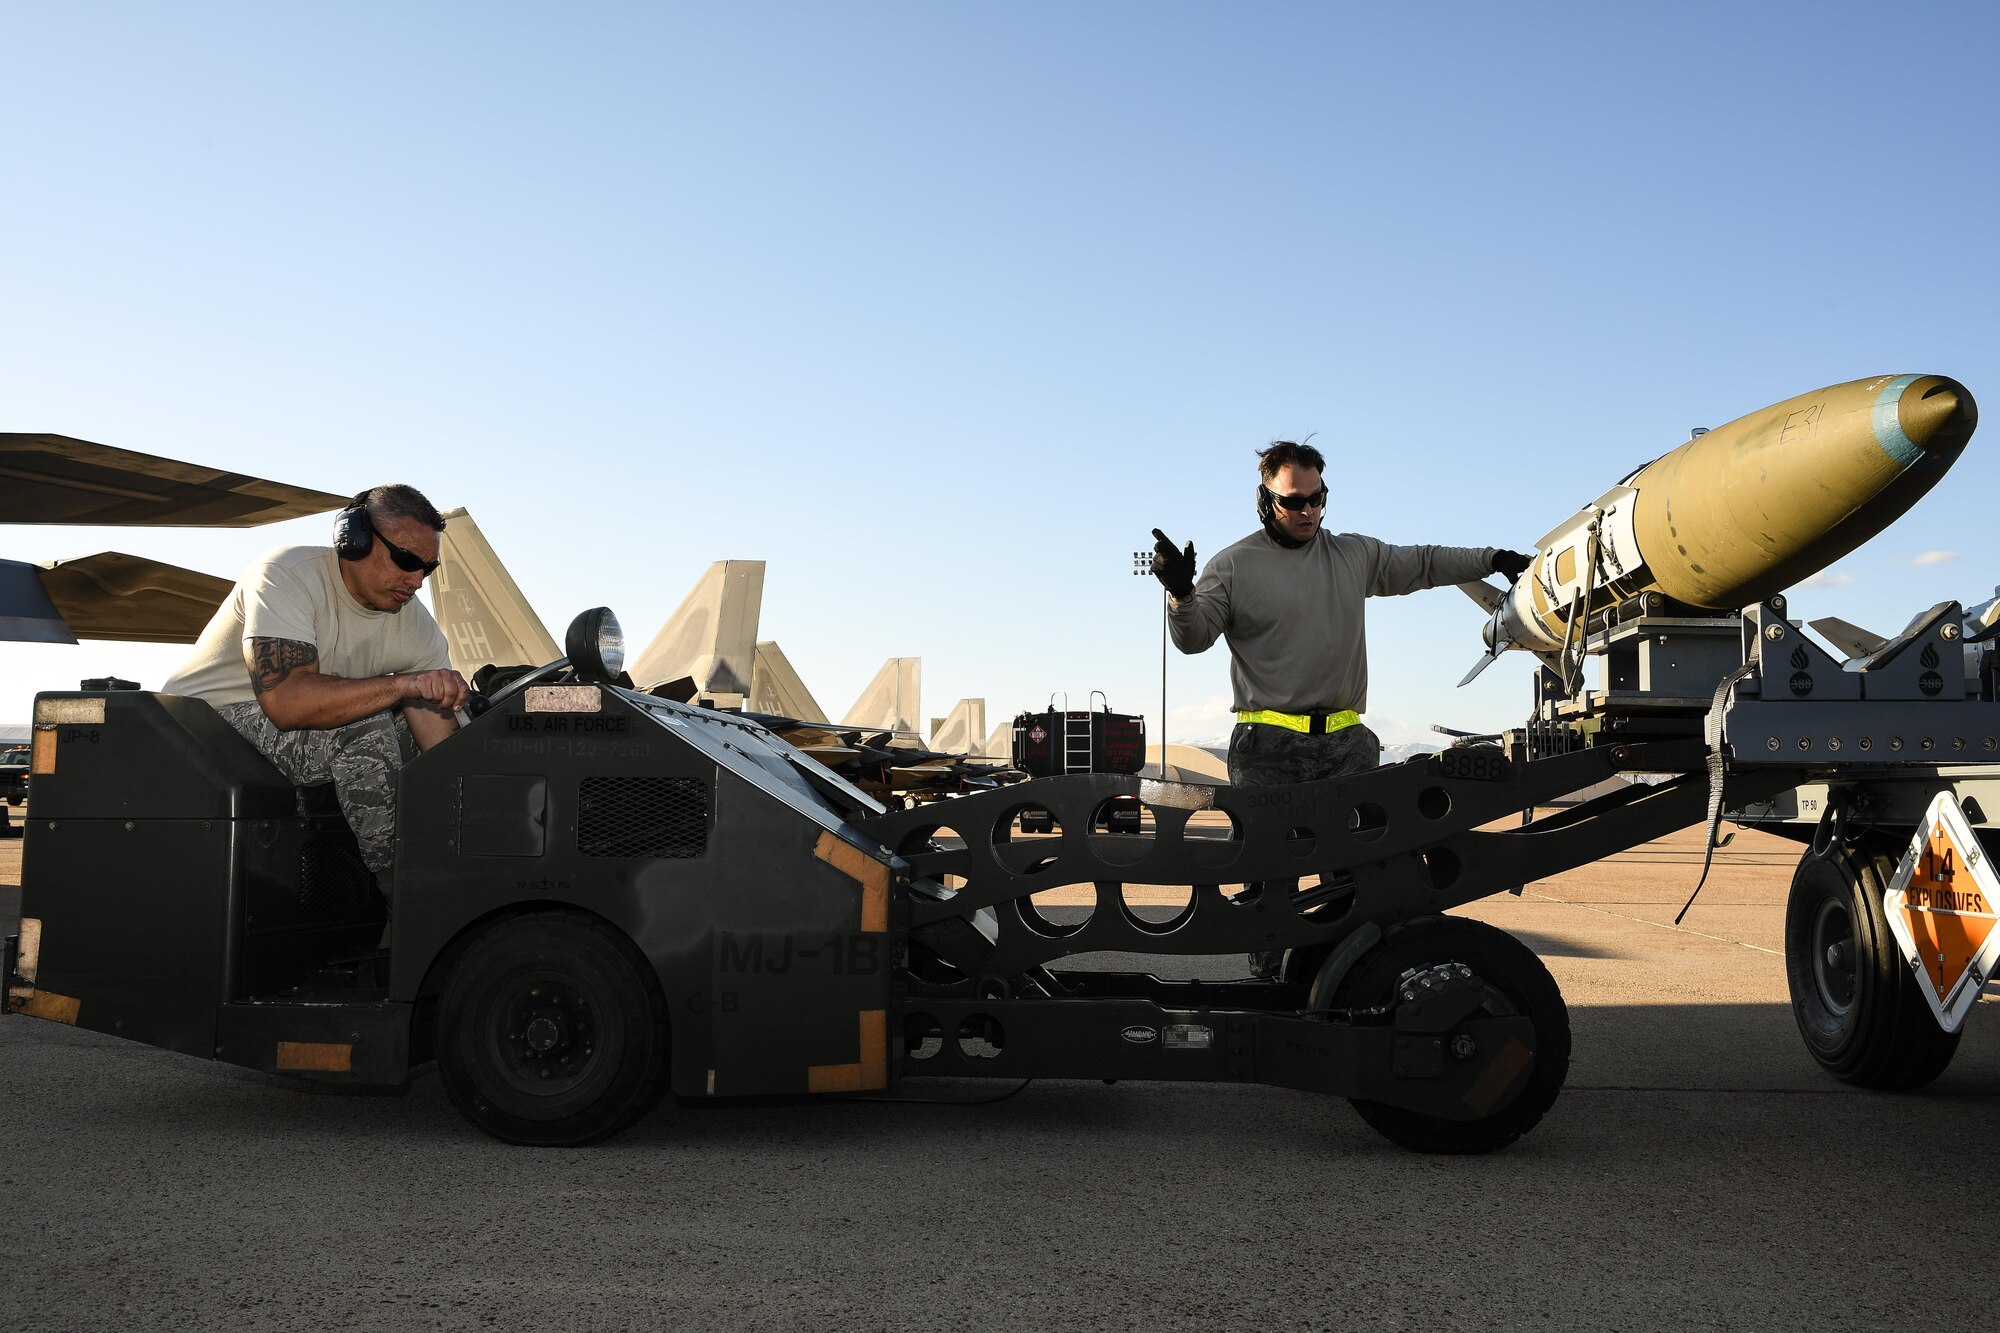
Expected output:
(602, 895)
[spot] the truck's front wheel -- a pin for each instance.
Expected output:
(1515, 983)
(552, 1031)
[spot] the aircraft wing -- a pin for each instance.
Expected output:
(27, 615)
(112, 595)
(805, 734)
(884, 762)
(59, 479)
(833, 756)
(109, 595)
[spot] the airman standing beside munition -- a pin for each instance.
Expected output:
(1290, 598)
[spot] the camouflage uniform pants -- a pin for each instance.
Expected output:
(361, 760)
(1261, 755)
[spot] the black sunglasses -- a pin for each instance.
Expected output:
(408, 561)
(1297, 502)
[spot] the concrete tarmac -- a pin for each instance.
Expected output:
(1698, 1172)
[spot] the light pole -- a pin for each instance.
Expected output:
(1142, 564)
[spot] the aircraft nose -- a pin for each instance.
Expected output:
(1936, 416)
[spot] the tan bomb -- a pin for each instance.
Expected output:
(1745, 510)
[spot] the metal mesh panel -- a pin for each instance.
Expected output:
(642, 817)
(332, 879)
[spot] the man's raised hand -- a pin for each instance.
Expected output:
(1173, 568)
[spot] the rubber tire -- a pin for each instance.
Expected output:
(1507, 966)
(1887, 1037)
(623, 1071)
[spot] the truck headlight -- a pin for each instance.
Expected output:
(595, 645)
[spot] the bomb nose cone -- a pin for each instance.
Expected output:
(1933, 415)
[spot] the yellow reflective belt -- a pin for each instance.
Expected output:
(1347, 717)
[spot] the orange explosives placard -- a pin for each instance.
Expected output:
(1942, 909)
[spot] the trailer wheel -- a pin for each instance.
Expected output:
(552, 1031)
(1516, 983)
(1856, 1003)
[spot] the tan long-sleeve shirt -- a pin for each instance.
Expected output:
(1298, 639)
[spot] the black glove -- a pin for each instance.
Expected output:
(1511, 563)
(1174, 569)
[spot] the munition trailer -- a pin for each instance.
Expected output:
(601, 896)
(1892, 760)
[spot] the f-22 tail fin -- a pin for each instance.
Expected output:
(485, 618)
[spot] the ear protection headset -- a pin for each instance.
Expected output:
(353, 530)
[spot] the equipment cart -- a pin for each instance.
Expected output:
(601, 895)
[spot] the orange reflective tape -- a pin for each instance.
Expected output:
(43, 758)
(870, 1071)
(863, 869)
(327, 1057)
(49, 1005)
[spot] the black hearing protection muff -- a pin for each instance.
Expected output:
(1267, 510)
(353, 530)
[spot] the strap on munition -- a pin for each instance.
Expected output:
(1711, 731)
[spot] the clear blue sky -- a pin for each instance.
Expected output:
(940, 308)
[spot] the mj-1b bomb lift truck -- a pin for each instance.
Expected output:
(601, 895)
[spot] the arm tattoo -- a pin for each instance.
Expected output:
(272, 661)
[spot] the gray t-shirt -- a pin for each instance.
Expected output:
(295, 593)
(1298, 640)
